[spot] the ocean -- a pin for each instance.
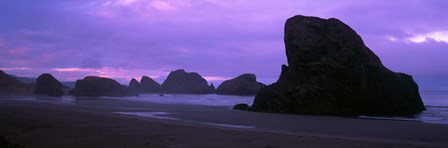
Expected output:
(436, 103)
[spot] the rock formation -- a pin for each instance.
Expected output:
(181, 82)
(245, 84)
(47, 85)
(332, 72)
(92, 86)
(242, 106)
(9, 84)
(148, 85)
(134, 85)
(212, 88)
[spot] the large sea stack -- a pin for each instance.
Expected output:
(47, 85)
(181, 82)
(332, 72)
(92, 86)
(148, 85)
(243, 85)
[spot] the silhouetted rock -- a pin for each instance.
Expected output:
(245, 84)
(332, 72)
(92, 86)
(242, 106)
(9, 84)
(47, 85)
(181, 82)
(212, 88)
(148, 85)
(134, 85)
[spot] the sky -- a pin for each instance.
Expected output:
(219, 39)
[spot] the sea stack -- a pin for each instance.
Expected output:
(243, 85)
(332, 72)
(181, 82)
(47, 85)
(134, 85)
(92, 86)
(148, 85)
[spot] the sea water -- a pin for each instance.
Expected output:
(436, 103)
(206, 99)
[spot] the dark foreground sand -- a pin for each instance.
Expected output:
(37, 124)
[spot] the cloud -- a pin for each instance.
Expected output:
(211, 78)
(162, 6)
(131, 38)
(15, 68)
(74, 70)
(439, 36)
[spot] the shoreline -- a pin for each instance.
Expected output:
(331, 129)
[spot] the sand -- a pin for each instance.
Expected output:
(96, 123)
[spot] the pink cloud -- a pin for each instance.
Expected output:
(15, 68)
(214, 78)
(74, 70)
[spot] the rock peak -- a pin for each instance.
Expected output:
(180, 81)
(331, 72)
(245, 84)
(46, 84)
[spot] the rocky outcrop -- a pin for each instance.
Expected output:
(212, 88)
(134, 85)
(148, 85)
(92, 86)
(242, 106)
(243, 85)
(9, 84)
(47, 85)
(181, 82)
(332, 72)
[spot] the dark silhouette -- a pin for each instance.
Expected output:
(9, 84)
(181, 82)
(46, 84)
(134, 85)
(148, 85)
(26, 80)
(332, 72)
(212, 88)
(92, 86)
(242, 106)
(242, 85)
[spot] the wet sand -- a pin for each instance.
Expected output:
(107, 123)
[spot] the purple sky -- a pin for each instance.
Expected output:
(219, 39)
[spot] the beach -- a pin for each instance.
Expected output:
(103, 122)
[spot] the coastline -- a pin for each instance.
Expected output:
(43, 124)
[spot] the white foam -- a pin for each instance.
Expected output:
(157, 115)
